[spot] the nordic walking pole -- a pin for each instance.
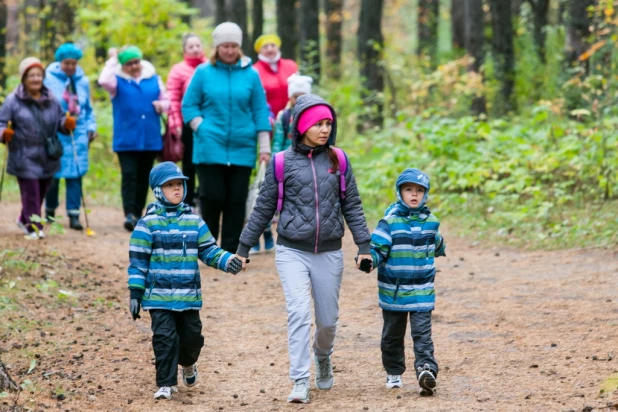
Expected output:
(6, 159)
(89, 232)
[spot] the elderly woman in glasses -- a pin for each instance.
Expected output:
(138, 99)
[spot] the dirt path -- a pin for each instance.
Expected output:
(513, 331)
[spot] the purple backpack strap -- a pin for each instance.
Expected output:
(279, 164)
(343, 168)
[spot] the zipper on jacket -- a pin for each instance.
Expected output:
(154, 280)
(229, 109)
(396, 290)
(317, 211)
(184, 245)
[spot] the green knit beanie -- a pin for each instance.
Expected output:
(130, 53)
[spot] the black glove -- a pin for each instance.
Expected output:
(365, 265)
(234, 266)
(135, 303)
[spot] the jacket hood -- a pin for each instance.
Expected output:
(400, 208)
(157, 208)
(148, 71)
(44, 100)
(55, 70)
(303, 103)
(243, 63)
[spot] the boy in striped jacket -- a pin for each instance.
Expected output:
(164, 276)
(403, 248)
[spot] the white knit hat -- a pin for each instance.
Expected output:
(227, 32)
(299, 84)
(28, 63)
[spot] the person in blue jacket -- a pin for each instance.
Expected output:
(69, 84)
(138, 99)
(225, 105)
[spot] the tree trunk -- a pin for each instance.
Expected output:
(206, 7)
(12, 26)
(503, 49)
(428, 17)
(287, 28)
(334, 22)
(458, 24)
(370, 45)
(186, 19)
(239, 16)
(577, 31)
(540, 8)
(310, 38)
(516, 7)
(220, 12)
(3, 20)
(66, 17)
(257, 14)
(474, 41)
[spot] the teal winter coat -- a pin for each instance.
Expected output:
(232, 103)
(56, 81)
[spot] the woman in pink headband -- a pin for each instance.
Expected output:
(312, 185)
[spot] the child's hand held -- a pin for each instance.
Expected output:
(236, 264)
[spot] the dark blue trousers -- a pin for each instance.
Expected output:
(73, 195)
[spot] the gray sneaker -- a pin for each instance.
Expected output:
(324, 378)
(300, 391)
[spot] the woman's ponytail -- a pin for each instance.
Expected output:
(334, 160)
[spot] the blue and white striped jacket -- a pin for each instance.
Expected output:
(403, 248)
(164, 251)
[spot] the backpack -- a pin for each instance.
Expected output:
(279, 168)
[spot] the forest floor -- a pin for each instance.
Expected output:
(514, 330)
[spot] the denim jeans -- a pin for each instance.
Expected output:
(73, 195)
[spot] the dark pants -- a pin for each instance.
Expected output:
(135, 168)
(224, 189)
(177, 340)
(74, 195)
(188, 168)
(32, 195)
(393, 348)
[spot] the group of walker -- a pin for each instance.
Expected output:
(312, 185)
(219, 108)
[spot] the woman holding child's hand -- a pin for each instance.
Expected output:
(311, 227)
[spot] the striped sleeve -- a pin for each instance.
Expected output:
(381, 242)
(208, 251)
(140, 250)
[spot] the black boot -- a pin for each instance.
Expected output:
(50, 213)
(74, 223)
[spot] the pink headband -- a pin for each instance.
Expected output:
(313, 115)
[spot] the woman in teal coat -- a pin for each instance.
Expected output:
(225, 105)
(68, 83)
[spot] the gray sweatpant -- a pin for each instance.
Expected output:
(305, 274)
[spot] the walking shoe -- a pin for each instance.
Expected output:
(426, 380)
(130, 222)
(269, 242)
(300, 391)
(324, 378)
(74, 223)
(165, 392)
(189, 375)
(41, 234)
(394, 381)
(254, 250)
(32, 236)
(22, 227)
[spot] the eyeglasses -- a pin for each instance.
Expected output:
(133, 62)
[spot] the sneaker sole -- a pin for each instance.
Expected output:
(427, 384)
(317, 384)
(163, 397)
(297, 400)
(394, 385)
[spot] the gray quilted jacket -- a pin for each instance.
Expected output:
(304, 224)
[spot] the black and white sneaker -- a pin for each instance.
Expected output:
(165, 392)
(394, 381)
(189, 375)
(426, 380)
